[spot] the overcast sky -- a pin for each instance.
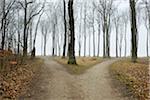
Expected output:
(123, 5)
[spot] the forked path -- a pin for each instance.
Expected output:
(55, 83)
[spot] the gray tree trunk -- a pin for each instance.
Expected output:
(133, 30)
(72, 59)
(65, 28)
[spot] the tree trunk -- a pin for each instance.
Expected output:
(117, 42)
(108, 38)
(25, 31)
(93, 41)
(3, 26)
(104, 37)
(53, 47)
(45, 45)
(84, 45)
(18, 51)
(72, 59)
(147, 43)
(125, 41)
(89, 43)
(133, 31)
(65, 27)
(104, 55)
(99, 33)
(31, 37)
(93, 34)
(85, 30)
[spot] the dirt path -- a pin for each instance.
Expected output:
(55, 83)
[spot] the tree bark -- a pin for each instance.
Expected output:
(25, 31)
(133, 30)
(72, 59)
(45, 39)
(147, 44)
(125, 40)
(117, 42)
(93, 35)
(3, 26)
(65, 28)
(53, 47)
(99, 33)
(85, 30)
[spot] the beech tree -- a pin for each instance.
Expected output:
(35, 35)
(125, 19)
(27, 19)
(44, 30)
(146, 19)
(71, 50)
(85, 19)
(106, 9)
(6, 7)
(133, 30)
(65, 30)
(116, 21)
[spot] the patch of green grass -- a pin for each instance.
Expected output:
(83, 63)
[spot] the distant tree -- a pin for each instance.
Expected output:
(71, 51)
(121, 38)
(93, 22)
(27, 19)
(125, 19)
(146, 19)
(80, 30)
(44, 31)
(116, 21)
(85, 19)
(54, 25)
(133, 30)
(99, 33)
(33, 53)
(6, 8)
(106, 9)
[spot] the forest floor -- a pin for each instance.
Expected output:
(132, 77)
(15, 79)
(54, 82)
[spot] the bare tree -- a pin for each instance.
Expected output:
(146, 19)
(121, 38)
(93, 22)
(85, 17)
(65, 28)
(71, 51)
(106, 9)
(116, 21)
(99, 33)
(125, 19)
(133, 30)
(54, 24)
(80, 29)
(35, 35)
(25, 5)
(44, 31)
(4, 22)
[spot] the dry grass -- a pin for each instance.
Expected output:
(15, 81)
(83, 63)
(134, 76)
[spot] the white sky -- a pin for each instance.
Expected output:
(122, 6)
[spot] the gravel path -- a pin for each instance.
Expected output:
(55, 83)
